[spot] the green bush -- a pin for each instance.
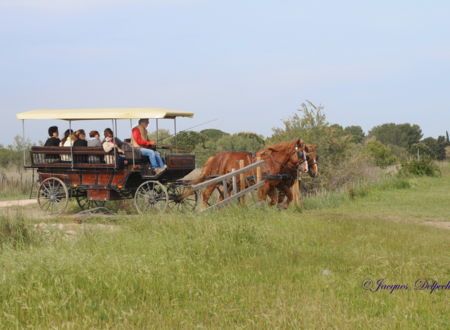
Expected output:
(422, 167)
(381, 154)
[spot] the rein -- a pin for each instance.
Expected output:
(284, 164)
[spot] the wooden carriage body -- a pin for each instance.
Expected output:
(92, 176)
(103, 176)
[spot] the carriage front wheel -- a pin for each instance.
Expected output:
(179, 200)
(151, 196)
(53, 196)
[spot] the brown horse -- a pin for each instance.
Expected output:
(278, 157)
(284, 187)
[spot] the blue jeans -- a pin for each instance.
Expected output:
(155, 157)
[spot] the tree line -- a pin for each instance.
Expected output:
(385, 144)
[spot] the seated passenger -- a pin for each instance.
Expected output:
(53, 140)
(109, 133)
(94, 142)
(67, 141)
(66, 138)
(110, 147)
(95, 139)
(141, 140)
(80, 142)
(80, 139)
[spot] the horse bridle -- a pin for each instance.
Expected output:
(315, 161)
(300, 154)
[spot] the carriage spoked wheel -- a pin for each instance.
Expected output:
(53, 196)
(151, 196)
(85, 204)
(176, 200)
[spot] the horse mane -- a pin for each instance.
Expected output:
(311, 148)
(281, 146)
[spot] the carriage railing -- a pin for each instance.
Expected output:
(73, 157)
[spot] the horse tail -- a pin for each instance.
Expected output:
(201, 178)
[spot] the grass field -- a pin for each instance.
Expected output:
(260, 268)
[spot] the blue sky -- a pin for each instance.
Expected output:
(247, 63)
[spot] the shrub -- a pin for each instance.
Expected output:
(381, 154)
(422, 167)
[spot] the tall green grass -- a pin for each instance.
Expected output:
(240, 268)
(234, 268)
(16, 231)
(362, 188)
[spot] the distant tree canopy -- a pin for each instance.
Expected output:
(435, 148)
(243, 141)
(356, 133)
(163, 136)
(188, 140)
(402, 135)
(212, 133)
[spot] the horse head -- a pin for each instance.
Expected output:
(291, 155)
(313, 158)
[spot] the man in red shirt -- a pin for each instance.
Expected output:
(141, 140)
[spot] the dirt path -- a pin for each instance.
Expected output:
(21, 202)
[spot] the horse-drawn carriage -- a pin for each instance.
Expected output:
(92, 176)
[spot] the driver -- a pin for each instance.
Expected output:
(140, 139)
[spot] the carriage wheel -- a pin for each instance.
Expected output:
(85, 204)
(53, 196)
(176, 202)
(151, 196)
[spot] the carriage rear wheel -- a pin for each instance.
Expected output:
(85, 204)
(177, 200)
(53, 196)
(151, 196)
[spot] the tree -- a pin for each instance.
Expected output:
(188, 140)
(356, 133)
(442, 144)
(163, 136)
(212, 133)
(403, 135)
(381, 154)
(308, 124)
(422, 150)
(243, 141)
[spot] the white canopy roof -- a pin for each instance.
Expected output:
(98, 114)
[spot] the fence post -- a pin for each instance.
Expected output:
(258, 175)
(234, 182)
(242, 180)
(225, 189)
(296, 192)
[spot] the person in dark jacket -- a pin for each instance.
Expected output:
(80, 142)
(81, 139)
(53, 140)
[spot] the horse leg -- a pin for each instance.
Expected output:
(288, 193)
(273, 194)
(207, 194)
(264, 191)
(281, 192)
